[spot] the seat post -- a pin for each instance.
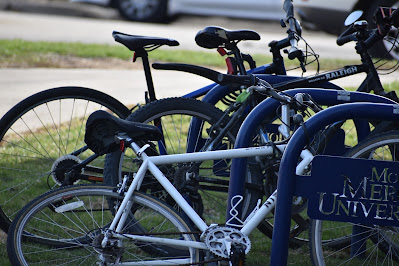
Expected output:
(237, 54)
(150, 94)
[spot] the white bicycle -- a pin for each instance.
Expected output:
(94, 224)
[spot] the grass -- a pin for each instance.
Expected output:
(17, 53)
(259, 255)
(260, 251)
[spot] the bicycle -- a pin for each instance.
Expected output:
(64, 159)
(100, 136)
(96, 230)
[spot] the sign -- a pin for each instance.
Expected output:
(354, 190)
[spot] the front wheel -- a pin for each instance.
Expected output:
(67, 226)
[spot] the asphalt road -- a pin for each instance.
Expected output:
(65, 21)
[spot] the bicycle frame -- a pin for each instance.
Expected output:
(150, 163)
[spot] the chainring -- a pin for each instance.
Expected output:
(220, 238)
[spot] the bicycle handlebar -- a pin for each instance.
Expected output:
(384, 24)
(288, 8)
(281, 44)
(294, 51)
(347, 36)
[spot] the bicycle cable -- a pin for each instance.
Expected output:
(394, 42)
(309, 51)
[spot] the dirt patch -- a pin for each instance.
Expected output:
(3, 237)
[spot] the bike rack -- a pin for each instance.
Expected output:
(288, 181)
(266, 110)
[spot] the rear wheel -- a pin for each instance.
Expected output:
(41, 140)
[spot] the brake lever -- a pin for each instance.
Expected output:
(296, 52)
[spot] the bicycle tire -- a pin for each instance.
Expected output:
(37, 137)
(384, 146)
(70, 223)
(208, 202)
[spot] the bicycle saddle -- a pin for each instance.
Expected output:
(137, 42)
(102, 127)
(213, 37)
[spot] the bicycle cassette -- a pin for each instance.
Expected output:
(63, 165)
(219, 240)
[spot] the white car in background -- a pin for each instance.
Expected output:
(161, 10)
(329, 16)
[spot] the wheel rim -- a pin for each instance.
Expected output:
(80, 229)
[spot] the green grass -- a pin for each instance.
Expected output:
(38, 54)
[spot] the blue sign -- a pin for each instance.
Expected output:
(354, 190)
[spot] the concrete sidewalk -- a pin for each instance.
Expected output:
(127, 86)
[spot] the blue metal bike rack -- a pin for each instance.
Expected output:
(266, 110)
(287, 180)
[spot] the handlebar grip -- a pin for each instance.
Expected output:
(295, 52)
(288, 8)
(280, 44)
(345, 39)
